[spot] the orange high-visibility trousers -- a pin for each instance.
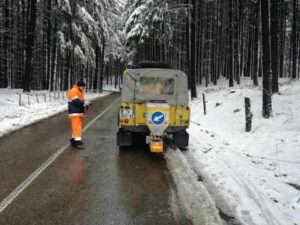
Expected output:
(76, 127)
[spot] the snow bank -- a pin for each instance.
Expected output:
(14, 117)
(195, 199)
(254, 177)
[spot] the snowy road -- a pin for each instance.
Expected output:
(99, 185)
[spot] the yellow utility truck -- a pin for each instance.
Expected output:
(154, 102)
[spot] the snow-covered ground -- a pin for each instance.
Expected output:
(13, 116)
(254, 177)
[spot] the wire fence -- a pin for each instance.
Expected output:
(32, 98)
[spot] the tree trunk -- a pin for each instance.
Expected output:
(294, 41)
(193, 51)
(256, 43)
(95, 81)
(49, 37)
(282, 39)
(267, 88)
(53, 58)
(188, 48)
(230, 45)
(274, 44)
(102, 65)
(5, 44)
(29, 46)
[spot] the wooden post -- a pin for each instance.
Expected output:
(37, 98)
(28, 99)
(20, 99)
(248, 114)
(204, 103)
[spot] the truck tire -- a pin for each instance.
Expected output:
(124, 138)
(181, 139)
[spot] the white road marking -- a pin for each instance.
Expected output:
(13, 195)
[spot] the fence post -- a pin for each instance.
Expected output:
(20, 99)
(248, 114)
(28, 99)
(37, 98)
(204, 103)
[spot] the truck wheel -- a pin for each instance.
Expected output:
(124, 138)
(123, 148)
(181, 139)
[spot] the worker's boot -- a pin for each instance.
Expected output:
(79, 145)
(76, 144)
(72, 142)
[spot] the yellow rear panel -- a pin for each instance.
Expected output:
(136, 115)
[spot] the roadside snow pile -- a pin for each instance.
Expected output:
(195, 200)
(253, 177)
(14, 117)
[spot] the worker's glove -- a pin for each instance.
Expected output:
(87, 103)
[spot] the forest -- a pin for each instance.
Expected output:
(49, 44)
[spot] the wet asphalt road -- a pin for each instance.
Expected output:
(98, 185)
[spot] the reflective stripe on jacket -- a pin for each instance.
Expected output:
(76, 102)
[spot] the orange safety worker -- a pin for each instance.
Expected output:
(76, 108)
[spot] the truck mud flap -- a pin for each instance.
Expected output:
(124, 138)
(181, 139)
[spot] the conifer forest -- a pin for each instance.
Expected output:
(50, 44)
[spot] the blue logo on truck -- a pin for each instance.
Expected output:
(158, 118)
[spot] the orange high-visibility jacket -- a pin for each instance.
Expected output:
(76, 102)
